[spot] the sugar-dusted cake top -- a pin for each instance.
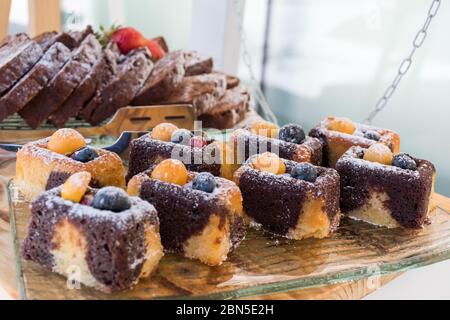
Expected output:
(138, 210)
(357, 133)
(382, 160)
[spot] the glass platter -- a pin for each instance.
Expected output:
(263, 264)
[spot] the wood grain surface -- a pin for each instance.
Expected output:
(44, 15)
(5, 9)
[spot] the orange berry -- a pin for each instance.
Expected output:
(343, 125)
(264, 128)
(163, 131)
(269, 162)
(75, 187)
(134, 187)
(66, 141)
(380, 153)
(171, 171)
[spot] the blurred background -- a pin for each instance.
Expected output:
(312, 58)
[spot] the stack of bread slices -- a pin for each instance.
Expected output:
(58, 76)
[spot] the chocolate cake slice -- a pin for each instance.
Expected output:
(106, 250)
(132, 71)
(289, 206)
(34, 81)
(228, 111)
(196, 63)
(193, 223)
(98, 77)
(17, 56)
(63, 83)
(385, 195)
(165, 77)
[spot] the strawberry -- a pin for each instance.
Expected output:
(128, 39)
(155, 49)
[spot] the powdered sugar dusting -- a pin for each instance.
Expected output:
(138, 211)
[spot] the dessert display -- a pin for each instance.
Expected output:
(289, 142)
(339, 134)
(186, 193)
(290, 199)
(385, 189)
(47, 163)
(200, 215)
(197, 152)
(55, 77)
(101, 238)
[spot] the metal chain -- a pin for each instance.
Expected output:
(247, 59)
(407, 62)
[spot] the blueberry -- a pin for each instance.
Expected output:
(292, 133)
(204, 182)
(372, 135)
(112, 199)
(304, 171)
(181, 136)
(85, 155)
(404, 161)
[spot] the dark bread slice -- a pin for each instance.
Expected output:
(232, 81)
(13, 37)
(100, 74)
(228, 111)
(162, 43)
(17, 56)
(196, 63)
(200, 91)
(63, 84)
(165, 77)
(79, 36)
(34, 81)
(71, 39)
(132, 72)
(48, 39)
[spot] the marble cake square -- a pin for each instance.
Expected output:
(193, 223)
(107, 250)
(385, 195)
(289, 207)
